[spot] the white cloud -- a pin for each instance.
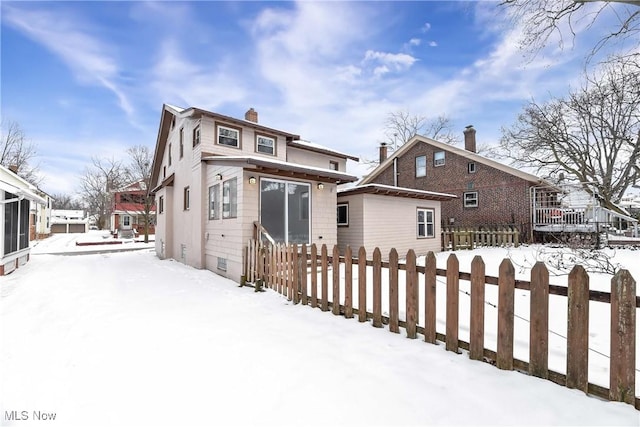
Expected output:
(426, 27)
(395, 61)
(87, 56)
(415, 42)
(433, 44)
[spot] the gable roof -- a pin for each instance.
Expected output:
(389, 190)
(459, 151)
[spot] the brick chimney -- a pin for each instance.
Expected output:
(383, 151)
(470, 139)
(13, 168)
(251, 115)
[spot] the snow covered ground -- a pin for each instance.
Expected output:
(124, 339)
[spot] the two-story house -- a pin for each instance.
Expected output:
(129, 206)
(488, 193)
(217, 179)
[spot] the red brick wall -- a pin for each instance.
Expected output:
(502, 198)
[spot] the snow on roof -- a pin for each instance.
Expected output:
(282, 165)
(177, 109)
(396, 191)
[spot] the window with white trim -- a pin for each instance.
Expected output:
(421, 166)
(228, 136)
(265, 144)
(214, 208)
(438, 158)
(471, 167)
(425, 221)
(169, 154)
(343, 214)
(230, 198)
(161, 204)
(470, 199)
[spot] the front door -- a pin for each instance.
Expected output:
(126, 222)
(285, 210)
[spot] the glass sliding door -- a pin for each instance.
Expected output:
(284, 210)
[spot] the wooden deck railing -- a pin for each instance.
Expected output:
(454, 238)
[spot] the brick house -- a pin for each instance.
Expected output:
(128, 209)
(489, 193)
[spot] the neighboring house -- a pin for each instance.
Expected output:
(387, 217)
(68, 221)
(488, 193)
(217, 180)
(16, 196)
(42, 225)
(128, 209)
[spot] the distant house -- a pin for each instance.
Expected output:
(68, 221)
(129, 207)
(220, 181)
(488, 193)
(42, 223)
(16, 196)
(386, 217)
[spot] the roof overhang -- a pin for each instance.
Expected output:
(386, 190)
(168, 182)
(22, 193)
(281, 168)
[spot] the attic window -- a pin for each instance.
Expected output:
(471, 167)
(438, 158)
(333, 165)
(421, 166)
(173, 122)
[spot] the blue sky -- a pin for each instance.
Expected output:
(89, 78)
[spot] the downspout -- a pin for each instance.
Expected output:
(395, 172)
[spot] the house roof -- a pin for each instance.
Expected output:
(12, 183)
(459, 151)
(389, 190)
(293, 140)
(279, 167)
(312, 146)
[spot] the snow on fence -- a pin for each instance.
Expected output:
(302, 273)
(455, 238)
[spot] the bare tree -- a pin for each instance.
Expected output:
(65, 201)
(139, 170)
(97, 185)
(17, 153)
(541, 19)
(401, 126)
(593, 134)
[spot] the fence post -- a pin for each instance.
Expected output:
(453, 287)
(314, 275)
(430, 298)
(296, 275)
(506, 289)
(539, 324)
(289, 267)
(336, 280)
(623, 338)
(377, 288)
(324, 273)
(273, 269)
(303, 274)
(393, 291)
(348, 283)
(476, 322)
(362, 285)
(412, 295)
(578, 329)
